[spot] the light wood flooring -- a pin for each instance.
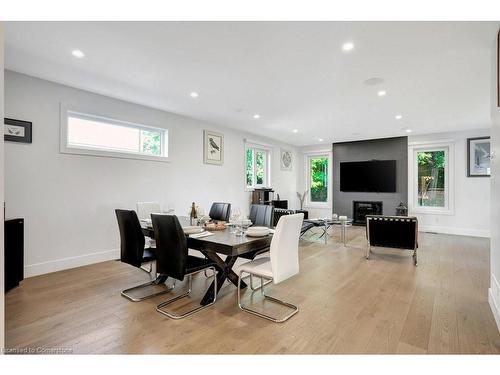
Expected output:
(347, 305)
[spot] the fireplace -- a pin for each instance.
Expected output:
(362, 208)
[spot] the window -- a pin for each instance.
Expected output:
(93, 135)
(256, 167)
(430, 180)
(318, 179)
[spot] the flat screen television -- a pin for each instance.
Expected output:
(368, 176)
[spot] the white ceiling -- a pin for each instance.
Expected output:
(294, 74)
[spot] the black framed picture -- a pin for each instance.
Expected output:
(17, 130)
(478, 157)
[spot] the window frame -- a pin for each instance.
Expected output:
(307, 168)
(449, 181)
(66, 148)
(267, 171)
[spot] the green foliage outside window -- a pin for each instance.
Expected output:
(431, 178)
(151, 142)
(319, 179)
(249, 167)
(260, 162)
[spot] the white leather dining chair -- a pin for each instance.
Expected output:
(145, 209)
(282, 263)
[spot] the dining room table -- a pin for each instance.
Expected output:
(220, 243)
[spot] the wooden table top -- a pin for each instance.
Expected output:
(222, 241)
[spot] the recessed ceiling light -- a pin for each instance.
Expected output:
(320, 139)
(348, 46)
(374, 81)
(256, 116)
(398, 117)
(77, 53)
(381, 93)
(408, 130)
(194, 94)
(295, 130)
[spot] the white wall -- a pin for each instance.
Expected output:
(471, 214)
(2, 287)
(494, 292)
(69, 200)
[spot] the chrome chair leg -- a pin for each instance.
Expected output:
(261, 285)
(159, 280)
(159, 308)
(207, 275)
(150, 270)
(294, 308)
(368, 251)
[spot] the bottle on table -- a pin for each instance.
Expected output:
(193, 216)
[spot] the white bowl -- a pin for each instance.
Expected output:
(257, 234)
(192, 229)
(257, 231)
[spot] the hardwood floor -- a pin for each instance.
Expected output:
(347, 305)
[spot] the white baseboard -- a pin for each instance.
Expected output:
(455, 231)
(494, 299)
(72, 262)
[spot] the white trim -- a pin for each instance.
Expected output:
(320, 152)
(64, 148)
(449, 148)
(258, 144)
(455, 231)
(431, 143)
(31, 270)
(494, 299)
(328, 203)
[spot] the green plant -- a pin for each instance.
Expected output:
(319, 179)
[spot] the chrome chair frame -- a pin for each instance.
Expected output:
(186, 294)
(150, 271)
(262, 283)
(157, 281)
(272, 299)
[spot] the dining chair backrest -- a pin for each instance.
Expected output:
(131, 237)
(220, 211)
(284, 251)
(261, 215)
(171, 246)
(145, 209)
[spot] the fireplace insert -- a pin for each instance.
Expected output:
(362, 208)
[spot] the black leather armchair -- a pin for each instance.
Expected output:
(399, 232)
(278, 212)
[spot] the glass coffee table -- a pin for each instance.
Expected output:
(326, 224)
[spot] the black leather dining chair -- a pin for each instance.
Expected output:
(261, 215)
(173, 260)
(132, 252)
(220, 211)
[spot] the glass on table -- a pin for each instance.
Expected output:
(233, 219)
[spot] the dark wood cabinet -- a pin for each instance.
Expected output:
(262, 196)
(14, 252)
